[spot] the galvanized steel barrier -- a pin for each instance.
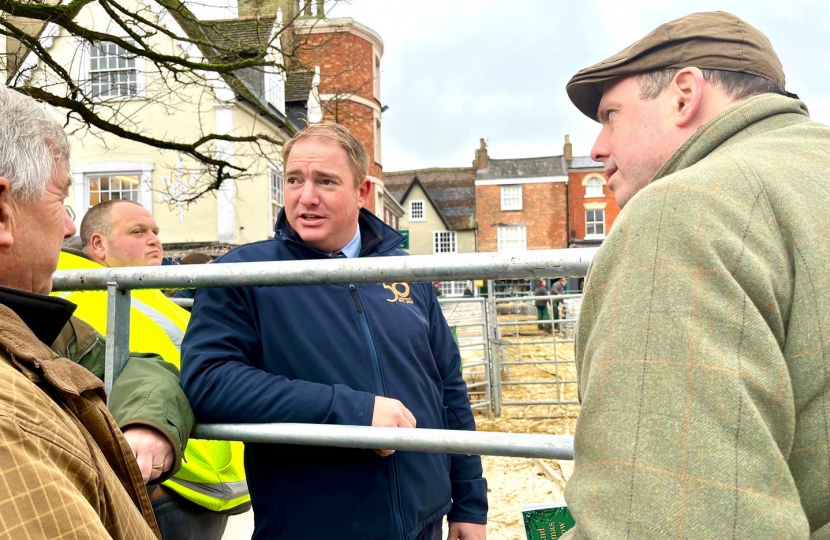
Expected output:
(522, 265)
(516, 343)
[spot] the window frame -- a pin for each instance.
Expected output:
(594, 235)
(452, 289)
(274, 171)
(509, 201)
(452, 241)
(423, 216)
(80, 186)
(593, 188)
(86, 74)
(377, 141)
(376, 74)
(504, 244)
(110, 175)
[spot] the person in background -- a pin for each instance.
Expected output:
(558, 288)
(375, 354)
(703, 342)
(195, 503)
(542, 306)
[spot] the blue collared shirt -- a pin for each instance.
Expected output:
(352, 249)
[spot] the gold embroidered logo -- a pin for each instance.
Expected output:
(400, 292)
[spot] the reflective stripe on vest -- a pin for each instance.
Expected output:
(225, 490)
(173, 332)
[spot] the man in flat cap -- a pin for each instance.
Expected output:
(703, 347)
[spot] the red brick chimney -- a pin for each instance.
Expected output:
(482, 160)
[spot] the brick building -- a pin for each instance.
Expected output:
(522, 203)
(334, 76)
(591, 205)
(549, 202)
(343, 58)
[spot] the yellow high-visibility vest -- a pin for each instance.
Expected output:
(213, 472)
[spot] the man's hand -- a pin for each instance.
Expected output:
(467, 531)
(391, 413)
(151, 449)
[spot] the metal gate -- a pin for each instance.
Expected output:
(530, 264)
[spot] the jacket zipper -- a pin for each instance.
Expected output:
(81, 355)
(392, 461)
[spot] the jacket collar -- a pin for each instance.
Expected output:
(83, 335)
(376, 238)
(36, 360)
(763, 113)
(44, 315)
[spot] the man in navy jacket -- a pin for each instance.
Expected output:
(364, 354)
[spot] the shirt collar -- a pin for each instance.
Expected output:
(352, 249)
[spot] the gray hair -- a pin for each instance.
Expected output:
(33, 145)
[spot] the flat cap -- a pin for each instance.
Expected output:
(712, 40)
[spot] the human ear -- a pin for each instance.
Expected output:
(6, 219)
(96, 247)
(687, 95)
(363, 191)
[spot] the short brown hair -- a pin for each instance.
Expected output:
(735, 84)
(97, 220)
(355, 151)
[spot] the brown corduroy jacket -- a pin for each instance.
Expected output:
(66, 470)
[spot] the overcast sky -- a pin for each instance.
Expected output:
(457, 70)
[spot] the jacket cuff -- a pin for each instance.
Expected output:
(469, 501)
(350, 407)
(461, 517)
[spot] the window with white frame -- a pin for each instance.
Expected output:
(377, 141)
(593, 188)
(274, 89)
(390, 218)
(376, 82)
(103, 188)
(276, 189)
(416, 211)
(444, 242)
(113, 71)
(594, 223)
(511, 197)
(512, 238)
(452, 288)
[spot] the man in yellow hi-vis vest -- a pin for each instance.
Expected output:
(196, 502)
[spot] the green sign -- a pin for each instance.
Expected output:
(546, 522)
(405, 243)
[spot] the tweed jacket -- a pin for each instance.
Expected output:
(703, 346)
(66, 470)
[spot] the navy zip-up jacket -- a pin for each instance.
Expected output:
(320, 354)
